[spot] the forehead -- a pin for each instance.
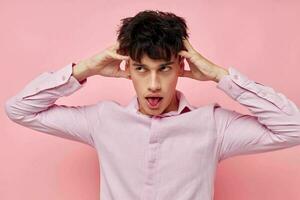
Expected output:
(147, 61)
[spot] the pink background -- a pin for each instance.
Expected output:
(259, 38)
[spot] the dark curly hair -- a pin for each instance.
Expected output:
(156, 33)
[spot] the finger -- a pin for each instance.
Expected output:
(117, 45)
(186, 73)
(119, 57)
(114, 46)
(123, 74)
(184, 54)
(188, 45)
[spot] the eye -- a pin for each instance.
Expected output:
(166, 67)
(138, 68)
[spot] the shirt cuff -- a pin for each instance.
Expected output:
(61, 78)
(233, 83)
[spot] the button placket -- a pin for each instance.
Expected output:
(151, 161)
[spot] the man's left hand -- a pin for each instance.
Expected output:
(201, 68)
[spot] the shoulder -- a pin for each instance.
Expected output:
(209, 108)
(108, 105)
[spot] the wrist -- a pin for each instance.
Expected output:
(80, 71)
(221, 72)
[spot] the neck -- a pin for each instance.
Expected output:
(174, 106)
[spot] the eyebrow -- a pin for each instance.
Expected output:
(140, 64)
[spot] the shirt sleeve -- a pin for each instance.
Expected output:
(34, 107)
(274, 123)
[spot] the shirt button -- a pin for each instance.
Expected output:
(152, 160)
(154, 139)
(230, 87)
(235, 76)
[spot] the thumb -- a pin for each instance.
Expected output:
(120, 57)
(123, 74)
(186, 73)
(184, 54)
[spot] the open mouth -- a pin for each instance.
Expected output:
(154, 101)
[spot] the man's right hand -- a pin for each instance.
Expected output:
(105, 63)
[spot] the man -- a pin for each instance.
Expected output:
(158, 146)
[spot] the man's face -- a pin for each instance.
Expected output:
(158, 78)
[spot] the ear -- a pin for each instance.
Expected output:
(181, 66)
(127, 68)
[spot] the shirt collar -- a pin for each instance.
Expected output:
(183, 107)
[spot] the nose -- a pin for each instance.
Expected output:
(154, 83)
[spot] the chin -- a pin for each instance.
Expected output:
(153, 112)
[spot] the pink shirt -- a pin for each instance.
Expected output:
(168, 157)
